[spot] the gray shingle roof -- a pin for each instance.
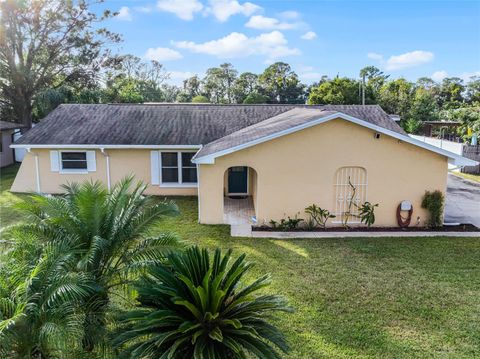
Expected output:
(281, 122)
(168, 124)
(5, 125)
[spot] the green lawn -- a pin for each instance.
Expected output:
(362, 298)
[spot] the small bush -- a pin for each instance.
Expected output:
(286, 224)
(367, 213)
(290, 223)
(319, 215)
(200, 99)
(433, 202)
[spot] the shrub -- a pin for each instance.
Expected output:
(290, 223)
(197, 308)
(319, 215)
(200, 99)
(433, 202)
(367, 213)
(254, 98)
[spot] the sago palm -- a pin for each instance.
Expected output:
(113, 235)
(193, 307)
(40, 314)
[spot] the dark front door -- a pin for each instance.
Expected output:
(237, 180)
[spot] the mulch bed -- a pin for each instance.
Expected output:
(456, 228)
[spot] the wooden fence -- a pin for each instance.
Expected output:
(472, 152)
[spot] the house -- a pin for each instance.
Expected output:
(7, 154)
(268, 161)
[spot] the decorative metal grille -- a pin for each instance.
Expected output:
(350, 192)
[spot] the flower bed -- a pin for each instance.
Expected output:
(456, 228)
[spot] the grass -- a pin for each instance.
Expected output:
(471, 177)
(362, 297)
(8, 214)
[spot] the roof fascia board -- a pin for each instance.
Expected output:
(180, 147)
(457, 159)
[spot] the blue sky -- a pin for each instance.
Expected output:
(407, 39)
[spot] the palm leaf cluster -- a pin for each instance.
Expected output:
(194, 307)
(87, 244)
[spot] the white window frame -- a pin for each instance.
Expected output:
(343, 189)
(180, 182)
(71, 170)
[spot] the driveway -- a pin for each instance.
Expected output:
(463, 201)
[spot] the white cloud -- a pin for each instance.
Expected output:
(311, 76)
(375, 56)
(310, 35)
(144, 9)
(161, 54)
(467, 75)
(223, 9)
(305, 68)
(268, 23)
(408, 59)
(180, 75)
(403, 61)
(273, 45)
(289, 15)
(439, 75)
(124, 14)
(184, 9)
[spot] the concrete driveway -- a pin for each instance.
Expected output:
(463, 201)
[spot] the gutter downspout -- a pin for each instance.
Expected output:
(107, 158)
(37, 169)
(198, 187)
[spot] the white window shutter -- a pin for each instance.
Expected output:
(154, 167)
(91, 162)
(54, 161)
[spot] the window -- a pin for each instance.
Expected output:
(350, 191)
(177, 168)
(170, 167)
(75, 161)
(189, 170)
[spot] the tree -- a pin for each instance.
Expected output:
(255, 98)
(183, 97)
(245, 84)
(451, 93)
(218, 83)
(47, 43)
(339, 91)
(192, 86)
(200, 99)
(281, 84)
(396, 96)
(196, 307)
(375, 79)
(473, 90)
(424, 106)
(170, 92)
(469, 117)
(110, 234)
(132, 80)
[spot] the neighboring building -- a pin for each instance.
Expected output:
(7, 154)
(281, 158)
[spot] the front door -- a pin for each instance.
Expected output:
(238, 180)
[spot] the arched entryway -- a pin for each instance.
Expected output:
(240, 195)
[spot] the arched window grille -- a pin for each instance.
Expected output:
(350, 192)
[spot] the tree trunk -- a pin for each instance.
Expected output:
(23, 111)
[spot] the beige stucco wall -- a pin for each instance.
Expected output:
(297, 170)
(122, 163)
(6, 155)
